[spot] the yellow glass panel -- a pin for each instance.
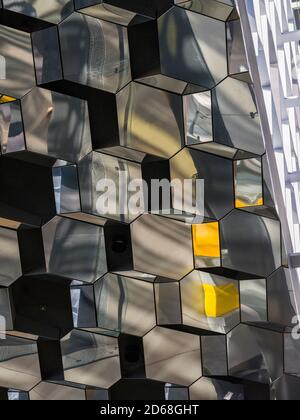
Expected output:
(220, 300)
(239, 204)
(206, 240)
(5, 99)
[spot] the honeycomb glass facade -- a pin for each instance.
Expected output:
(108, 291)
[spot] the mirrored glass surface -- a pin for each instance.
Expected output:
(162, 246)
(9, 257)
(254, 300)
(46, 54)
(237, 59)
(65, 183)
(261, 253)
(208, 389)
(101, 59)
(214, 355)
(125, 304)
(56, 125)
(150, 120)
(74, 249)
(48, 391)
(110, 13)
(210, 302)
(248, 183)
(14, 395)
(217, 174)
(19, 362)
(291, 354)
(168, 306)
(91, 359)
(17, 69)
(83, 306)
(11, 127)
(198, 118)
(51, 11)
(192, 47)
(176, 393)
(235, 116)
(104, 186)
(255, 354)
(281, 299)
(219, 9)
(172, 356)
(6, 314)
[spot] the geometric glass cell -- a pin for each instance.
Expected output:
(91, 358)
(45, 114)
(167, 350)
(260, 255)
(19, 361)
(74, 249)
(248, 183)
(40, 9)
(167, 244)
(199, 43)
(16, 62)
(122, 302)
(81, 62)
(210, 302)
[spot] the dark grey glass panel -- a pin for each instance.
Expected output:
(168, 306)
(85, 3)
(261, 253)
(10, 261)
(83, 306)
(214, 355)
(57, 392)
(217, 174)
(208, 389)
(236, 121)
(237, 59)
(292, 353)
(51, 11)
(254, 300)
(176, 393)
(150, 120)
(125, 304)
(101, 59)
(65, 182)
(287, 388)
(168, 249)
(255, 354)
(166, 350)
(216, 9)
(110, 13)
(74, 249)
(90, 358)
(11, 128)
(281, 298)
(192, 47)
(6, 314)
(198, 118)
(19, 362)
(56, 125)
(17, 69)
(248, 183)
(46, 53)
